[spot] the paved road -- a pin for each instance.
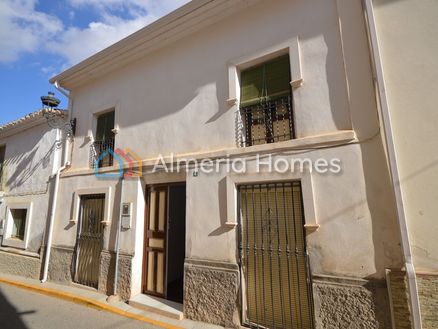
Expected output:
(23, 309)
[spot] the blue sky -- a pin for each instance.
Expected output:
(41, 38)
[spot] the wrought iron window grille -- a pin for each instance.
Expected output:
(269, 121)
(102, 153)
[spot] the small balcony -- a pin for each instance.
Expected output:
(266, 122)
(102, 153)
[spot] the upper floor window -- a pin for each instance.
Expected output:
(2, 164)
(266, 102)
(103, 147)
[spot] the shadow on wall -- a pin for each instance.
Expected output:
(381, 204)
(10, 317)
(206, 87)
(110, 232)
(222, 202)
(26, 168)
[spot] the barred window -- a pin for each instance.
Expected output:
(266, 103)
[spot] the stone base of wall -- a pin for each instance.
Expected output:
(428, 294)
(400, 299)
(106, 277)
(341, 303)
(61, 264)
(61, 269)
(211, 292)
(16, 264)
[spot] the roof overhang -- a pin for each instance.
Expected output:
(28, 121)
(190, 18)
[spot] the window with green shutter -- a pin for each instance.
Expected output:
(266, 102)
(103, 146)
(2, 161)
(105, 125)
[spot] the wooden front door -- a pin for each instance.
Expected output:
(154, 264)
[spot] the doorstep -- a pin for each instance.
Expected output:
(158, 305)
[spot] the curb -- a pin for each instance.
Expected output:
(86, 301)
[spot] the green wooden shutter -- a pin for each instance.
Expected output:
(2, 160)
(105, 123)
(277, 78)
(252, 85)
(268, 81)
(2, 155)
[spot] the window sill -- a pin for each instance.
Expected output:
(14, 243)
(301, 143)
(20, 252)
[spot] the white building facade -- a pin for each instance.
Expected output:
(267, 246)
(30, 154)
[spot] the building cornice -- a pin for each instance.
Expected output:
(190, 18)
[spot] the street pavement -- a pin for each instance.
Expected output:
(23, 309)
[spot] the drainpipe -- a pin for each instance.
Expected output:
(61, 89)
(52, 212)
(115, 296)
(51, 220)
(392, 159)
(66, 164)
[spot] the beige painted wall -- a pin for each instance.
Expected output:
(407, 32)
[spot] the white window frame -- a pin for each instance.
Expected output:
(305, 177)
(90, 191)
(95, 113)
(12, 242)
(235, 66)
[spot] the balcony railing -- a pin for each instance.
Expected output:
(102, 153)
(267, 122)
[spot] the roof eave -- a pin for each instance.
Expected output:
(28, 121)
(150, 38)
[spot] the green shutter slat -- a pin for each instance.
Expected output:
(251, 85)
(278, 77)
(264, 82)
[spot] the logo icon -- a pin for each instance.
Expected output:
(128, 162)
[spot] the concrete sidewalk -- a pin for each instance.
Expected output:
(92, 298)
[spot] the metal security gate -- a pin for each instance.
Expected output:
(90, 239)
(276, 286)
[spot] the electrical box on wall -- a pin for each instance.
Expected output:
(126, 215)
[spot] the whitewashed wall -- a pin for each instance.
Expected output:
(409, 53)
(30, 156)
(174, 100)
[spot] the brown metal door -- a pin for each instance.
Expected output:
(154, 264)
(277, 288)
(90, 239)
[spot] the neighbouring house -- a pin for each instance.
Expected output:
(409, 83)
(274, 86)
(30, 153)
